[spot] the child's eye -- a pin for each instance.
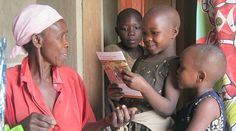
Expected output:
(123, 28)
(155, 33)
(137, 27)
(180, 69)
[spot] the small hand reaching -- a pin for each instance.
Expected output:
(134, 81)
(115, 92)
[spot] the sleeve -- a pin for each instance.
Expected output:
(9, 110)
(87, 112)
(9, 114)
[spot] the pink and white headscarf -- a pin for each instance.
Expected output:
(32, 20)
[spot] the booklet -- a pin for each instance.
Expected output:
(113, 63)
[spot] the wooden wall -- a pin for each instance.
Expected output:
(187, 34)
(151, 3)
(92, 42)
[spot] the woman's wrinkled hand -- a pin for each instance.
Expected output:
(38, 122)
(121, 116)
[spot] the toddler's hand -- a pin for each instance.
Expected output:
(134, 81)
(115, 92)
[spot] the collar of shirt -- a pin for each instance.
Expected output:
(26, 77)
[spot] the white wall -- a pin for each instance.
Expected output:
(8, 10)
(71, 11)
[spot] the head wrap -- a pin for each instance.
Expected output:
(32, 20)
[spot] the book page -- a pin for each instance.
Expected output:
(114, 63)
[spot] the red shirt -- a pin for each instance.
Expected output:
(71, 110)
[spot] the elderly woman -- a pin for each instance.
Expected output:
(42, 93)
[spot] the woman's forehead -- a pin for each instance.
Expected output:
(57, 26)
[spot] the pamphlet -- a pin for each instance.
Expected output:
(114, 63)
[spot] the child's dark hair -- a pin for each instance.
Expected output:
(211, 55)
(210, 49)
(128, 12)
(170, 13)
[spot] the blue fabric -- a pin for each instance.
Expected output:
(2, 81)
(184, 116)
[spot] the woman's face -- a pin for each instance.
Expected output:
(55, 44)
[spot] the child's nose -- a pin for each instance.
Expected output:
(131, 31)
(147, 38)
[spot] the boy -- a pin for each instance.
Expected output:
(197, 71)
(128, 28)
(201, 66)
(160, 28)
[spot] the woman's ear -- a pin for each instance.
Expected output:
(37, 40)
(201, 76)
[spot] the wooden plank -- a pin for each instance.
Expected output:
(92, 42)
(151, 3)
(136, 4)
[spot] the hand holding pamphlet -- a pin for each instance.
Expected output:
(114, 63)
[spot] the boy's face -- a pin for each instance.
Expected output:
(129, 31)
(157, 34)
(187, 72)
